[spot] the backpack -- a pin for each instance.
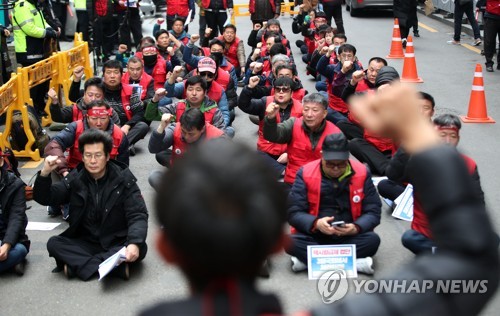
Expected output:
(18, 138)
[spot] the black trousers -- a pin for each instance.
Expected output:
(104, 29)
(390, 189)
(491, 31)
(215, 21)
(137, 132)
(83, 256)
(366, 244)
(350, 129)
(132, 23)
(83, 24)
(334, 11)
(60, 12)
(367, 153)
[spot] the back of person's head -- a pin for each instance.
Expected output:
(192, 118)
(277, 48)
(220, 219)
(94, 82)
(112, 64)
(428, 97)
(191, 81)
(316, 97)
(347, 48)
(95, 136)
(447, 120)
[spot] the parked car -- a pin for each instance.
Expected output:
(355, 7)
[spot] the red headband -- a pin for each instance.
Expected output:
(98, 112)
(449, 127)
(150, 49)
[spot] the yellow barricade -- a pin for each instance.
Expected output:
(286, 7)
(69, 60)
(42, 71)
(12, 99)
(241, 10)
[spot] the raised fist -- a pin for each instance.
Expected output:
(257, 27)
(53, 96)
(195, 38)
(122, 48)
(272, 109)
(253, 82)
(159, 94)
(208, 31)
(78, 73)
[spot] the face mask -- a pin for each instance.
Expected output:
(218, 57)
(149, 60)
(337, 50)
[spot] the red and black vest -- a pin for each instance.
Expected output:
(206, 4)
(493, 7)
(300, 149)
(223, 77)
(231, 51)
(208, 113)
(126, 94)
(144, 82)
(75, 157)
(178, 7)
(420, 223)
(214, 93)
(77, 113)
(271, 148)
(311, 173)
(251, 6)
(180, 147)
(159, 72)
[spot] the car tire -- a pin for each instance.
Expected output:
(355, 12)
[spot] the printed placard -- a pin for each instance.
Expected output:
(331, 257)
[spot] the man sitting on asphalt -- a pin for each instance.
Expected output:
(107, 210)
(332, 189)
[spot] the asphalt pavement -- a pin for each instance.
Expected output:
(447, 72)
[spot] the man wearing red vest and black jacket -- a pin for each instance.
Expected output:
(179, 9)
(304, 135)
(333, 189)
(274, 154)
(215, 14)
(263, 10)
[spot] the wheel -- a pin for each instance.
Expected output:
(355, 12)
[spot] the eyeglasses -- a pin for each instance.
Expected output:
(282, 89)
(338, 165)
(207, 74)
(97, 156)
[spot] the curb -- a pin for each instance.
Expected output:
(466, 28)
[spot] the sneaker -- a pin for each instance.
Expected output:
(54, 211)
(489, 68)
(68, 272)
(403, 41)
(416, 33)
(453, 42)
(131, 150)
(19, 268)
(297, 265)
(477, 42)
(365, 265)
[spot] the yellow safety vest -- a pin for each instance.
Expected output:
(29, 26)
(81, 4)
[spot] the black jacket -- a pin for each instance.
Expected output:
(126, 217)
(13, 210)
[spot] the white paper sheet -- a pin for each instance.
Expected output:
(112, 262)
(41, 226)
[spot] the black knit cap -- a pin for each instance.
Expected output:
(386, 74)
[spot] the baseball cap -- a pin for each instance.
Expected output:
(386, 74)
(207, 64)
(335, 147)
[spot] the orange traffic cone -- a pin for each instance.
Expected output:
(477, 103)
(396, 44)
(410, 66)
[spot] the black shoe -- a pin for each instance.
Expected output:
(19, 268)
(68, 272)
(53, 211)
(131, 150)
(489, 68)
(122, 271)
(299, 43)
(403, 42)
(416, 34)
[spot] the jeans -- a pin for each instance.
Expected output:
(15, 256)
(335, 116)
(416, 242)
(390, 189)
(468, 9)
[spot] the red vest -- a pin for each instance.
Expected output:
(181, 108)
(178, 7)
(144, 82)
(206, 4)
(493, 7)
(300, 149)
(159, 72)
(77, 113)
(266, 146)
(231, 51)
(382, 143)
(312, 179)
(420, 222)
(180, 147)
(126, 93)
(75, 157)
(214, 93)
(251, 6)
(297, 94)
